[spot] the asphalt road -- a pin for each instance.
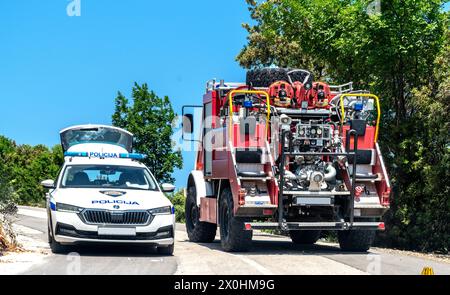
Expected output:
(270, 255)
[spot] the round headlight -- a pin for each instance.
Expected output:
(313, 131)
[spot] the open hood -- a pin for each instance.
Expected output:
(97, 134)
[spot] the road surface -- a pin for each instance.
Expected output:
(270, 255)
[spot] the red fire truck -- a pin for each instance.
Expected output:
(284, 152)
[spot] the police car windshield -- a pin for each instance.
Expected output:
(106, 176)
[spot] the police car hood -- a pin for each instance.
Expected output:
(111, 199)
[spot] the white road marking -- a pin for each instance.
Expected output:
(32, 213)
(24, 230)
(255, 265)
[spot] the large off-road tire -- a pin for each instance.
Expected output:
(233, 236)
(305, 237)
(198, 231)
(266, 76)
(356, 240)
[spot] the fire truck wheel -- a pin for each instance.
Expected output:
(198, 231)
(305, 237)
(356, 240)
(233, 236)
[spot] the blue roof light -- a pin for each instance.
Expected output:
(75, 154)
(132, 156)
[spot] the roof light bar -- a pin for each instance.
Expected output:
(132, 156)
(75, 154)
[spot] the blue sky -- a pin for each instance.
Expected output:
(57, 71)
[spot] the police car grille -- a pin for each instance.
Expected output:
(111, 217)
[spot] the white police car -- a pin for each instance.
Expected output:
(104, 194)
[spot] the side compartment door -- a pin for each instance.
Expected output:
(207, 144)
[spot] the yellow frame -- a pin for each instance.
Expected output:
(362, 95)
(230, 102)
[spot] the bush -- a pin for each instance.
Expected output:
(7, 209)
(178, 200)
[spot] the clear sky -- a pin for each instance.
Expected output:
(57, 71)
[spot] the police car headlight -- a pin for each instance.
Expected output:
(68, 208)
(161, 210)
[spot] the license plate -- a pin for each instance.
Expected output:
(116, 231)
(313, 201)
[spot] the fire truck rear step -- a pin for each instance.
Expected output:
(316, 225)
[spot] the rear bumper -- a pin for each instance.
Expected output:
(315, 225)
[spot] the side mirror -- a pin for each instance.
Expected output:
(168, 188)
(48, 184)
(190, 132)
(188, 123)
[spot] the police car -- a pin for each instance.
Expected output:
(104, 194)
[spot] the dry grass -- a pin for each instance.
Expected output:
(8, 240)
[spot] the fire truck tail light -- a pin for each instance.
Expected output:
(385, 200)
(381, 226)
(242, 194)
(267, 212)
(248, 226)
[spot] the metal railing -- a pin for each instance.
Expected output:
(377, 100)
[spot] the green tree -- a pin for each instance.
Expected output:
(179, 201)
(398, 53)
(150, 118)
(23, 167)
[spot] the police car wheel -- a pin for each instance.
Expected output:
(166, 250)
(56, 247)
(49, 234)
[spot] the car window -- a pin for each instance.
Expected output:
(105, 176)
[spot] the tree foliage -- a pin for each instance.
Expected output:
(400, 52)
(150, 118)
(179, 202)
(23, 167)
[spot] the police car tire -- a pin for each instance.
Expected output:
(56, 247)
(233, 236)
(356, 240)
(200, 232)
(267, 76)
(166, 250)
(305, 237)
(49, 234)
